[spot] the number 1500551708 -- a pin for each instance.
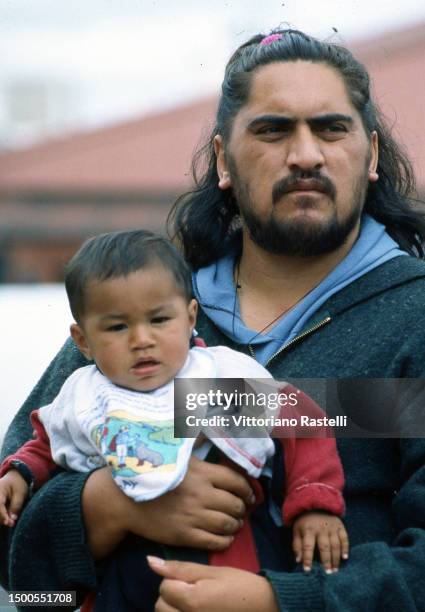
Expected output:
(42, 598)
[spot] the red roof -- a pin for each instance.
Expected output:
(151, 154)
(396, 62)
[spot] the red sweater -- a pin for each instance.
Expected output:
(314, 480)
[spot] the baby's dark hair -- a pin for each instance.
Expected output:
(119, 254)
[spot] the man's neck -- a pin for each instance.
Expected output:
(271, 284)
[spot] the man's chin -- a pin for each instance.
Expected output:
(306, 225)
(303, 237)
(307, 214)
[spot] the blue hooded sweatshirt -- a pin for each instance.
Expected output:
(214, 288)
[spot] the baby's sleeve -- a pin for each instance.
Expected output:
(33, 460)
(313, 469)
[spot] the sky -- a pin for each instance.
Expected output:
(117, 59)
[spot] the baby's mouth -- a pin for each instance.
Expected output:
(144, 361)
(145, 365)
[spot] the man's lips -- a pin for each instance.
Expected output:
(305, 185)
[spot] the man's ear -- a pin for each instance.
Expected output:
(79, 337)
(374, 157)
(224, 181)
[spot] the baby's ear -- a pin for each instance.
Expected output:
(79, 337)
(192, 311)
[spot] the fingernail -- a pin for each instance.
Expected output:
(329, 571)
(335, 569)
(307, 568)
(155, 560)
(298, 559)
(13, 517)
(251, 499)
(345, 556)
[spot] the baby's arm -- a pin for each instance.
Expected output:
(324, 531)
(35, 455)
(31, 465)
(13, 492)
(314, 483)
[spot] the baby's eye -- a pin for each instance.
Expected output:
(160, 320)
(116, 327)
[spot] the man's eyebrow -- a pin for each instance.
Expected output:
(278, 120)
(284, 121)
(330, 118)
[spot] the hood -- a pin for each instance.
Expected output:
(215, 290)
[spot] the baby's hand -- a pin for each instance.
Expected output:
(13, 492)
(325, 531)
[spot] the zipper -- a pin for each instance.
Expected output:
(294, 340)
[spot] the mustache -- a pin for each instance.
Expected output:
(286, 184)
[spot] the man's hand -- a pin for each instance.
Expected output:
(13, 493)
(191, 586)
(325, 531)
(204, 511)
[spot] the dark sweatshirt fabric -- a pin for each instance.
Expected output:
(373, 328)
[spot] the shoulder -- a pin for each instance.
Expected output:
(396, 287)
(398, 271)
(88, 373)
(233, 364)
(82, 383)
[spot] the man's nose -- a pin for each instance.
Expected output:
(141, 337)
(304, 150)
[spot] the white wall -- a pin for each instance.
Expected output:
(34, 323)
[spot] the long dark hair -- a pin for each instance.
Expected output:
(203, 219)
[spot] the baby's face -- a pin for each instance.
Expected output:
(136, 328)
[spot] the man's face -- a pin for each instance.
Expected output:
(298, 160)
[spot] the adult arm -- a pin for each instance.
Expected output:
(202, 512)
(388, 575)
(57, 534)
(46, 546)
(192, 586)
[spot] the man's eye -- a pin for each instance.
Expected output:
(334, 128)
(116, 327)
(271, 129)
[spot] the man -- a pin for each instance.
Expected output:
(292, 267)
(298, 234)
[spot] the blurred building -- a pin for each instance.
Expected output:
(54, 195)
(33, 108)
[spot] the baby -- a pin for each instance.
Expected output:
(130, 294)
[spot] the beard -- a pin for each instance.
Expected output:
(299, 237)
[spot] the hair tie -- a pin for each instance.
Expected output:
(270, 38)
